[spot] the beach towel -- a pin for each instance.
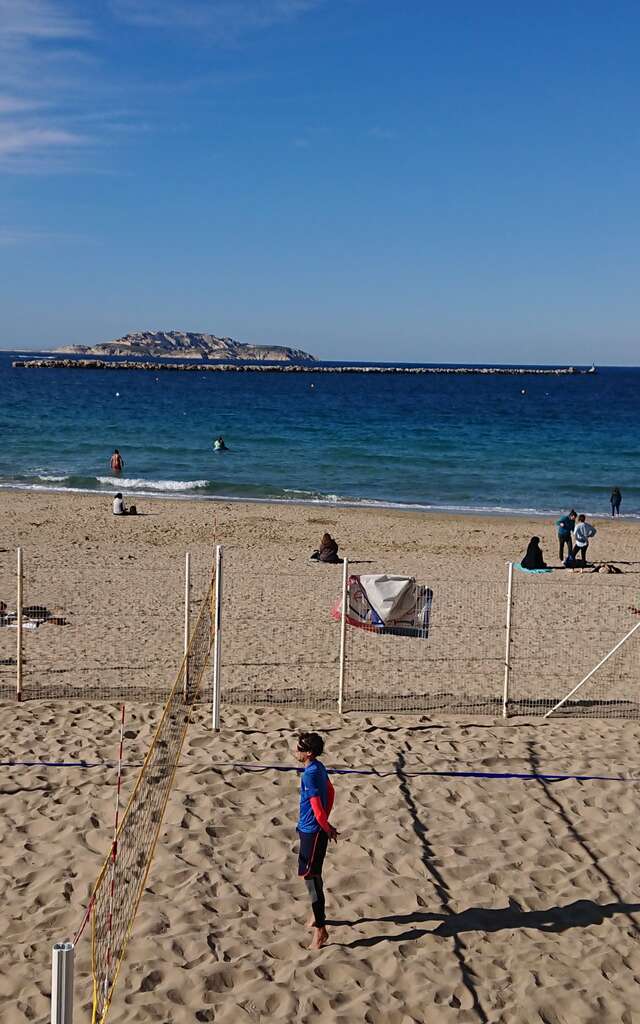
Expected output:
(384, 604)
(521, 568)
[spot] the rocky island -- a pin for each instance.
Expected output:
(187, 345)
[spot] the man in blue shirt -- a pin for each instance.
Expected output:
(314, 829)
(565, 527)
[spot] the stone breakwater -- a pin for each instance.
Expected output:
(101, 364)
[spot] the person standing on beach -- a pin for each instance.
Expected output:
(314, 829)
(615, 499)
(117, 462)
(581, 536)
(565, 527)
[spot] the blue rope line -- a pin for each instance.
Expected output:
(246, 766)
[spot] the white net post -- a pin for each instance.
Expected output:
(217, 642)
(507, 649)
(187, 597)
(62, 958)
(343, 634)
(19, 626)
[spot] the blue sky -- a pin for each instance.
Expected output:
(366, 180)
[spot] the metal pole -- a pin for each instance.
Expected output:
(109, 978)
(217, 642)
(507, 651)
(62, 983)
(343, 633)
(593, 670)
(187, 593)
(19, 627)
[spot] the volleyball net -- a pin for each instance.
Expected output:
(121, 881)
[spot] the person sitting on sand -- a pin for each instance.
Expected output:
(120, 509)
(314, 829)
(117, 462)
(328, 551)
(533, 558)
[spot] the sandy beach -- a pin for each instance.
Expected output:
(450, 898)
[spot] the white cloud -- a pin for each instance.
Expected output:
(52, 81)
(16, 105)
(218, 19)
(39, 19)
(16, 139)
(43, 58)
(383, 134)
(18, 236)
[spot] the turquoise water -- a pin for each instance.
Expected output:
(470, 443)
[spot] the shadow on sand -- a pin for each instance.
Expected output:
(448, 924)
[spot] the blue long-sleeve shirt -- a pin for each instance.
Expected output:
(565, 526)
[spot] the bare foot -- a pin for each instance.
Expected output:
(320, 938)
(311, 923)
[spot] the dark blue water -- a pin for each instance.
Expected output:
(449, 442)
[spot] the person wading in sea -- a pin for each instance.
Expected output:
(615, 499)
(314, 829)
(117, 462)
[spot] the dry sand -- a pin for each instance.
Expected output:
(451, 898)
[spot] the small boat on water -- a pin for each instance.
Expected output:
(592, 368)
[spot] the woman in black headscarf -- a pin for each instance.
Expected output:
(533, 558)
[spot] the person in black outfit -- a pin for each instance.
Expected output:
(615, 499)
(533, 558)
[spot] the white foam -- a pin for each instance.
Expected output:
(53, 479)
(120, 484)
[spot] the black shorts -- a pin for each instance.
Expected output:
(313, 846)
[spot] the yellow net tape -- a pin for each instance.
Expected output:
(120, 884)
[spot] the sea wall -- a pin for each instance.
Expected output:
(101, 364)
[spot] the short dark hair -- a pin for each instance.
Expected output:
(581, 517)
(573, 513)
(310, 743)
(118, 495)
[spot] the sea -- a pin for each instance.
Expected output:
(488, 444)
